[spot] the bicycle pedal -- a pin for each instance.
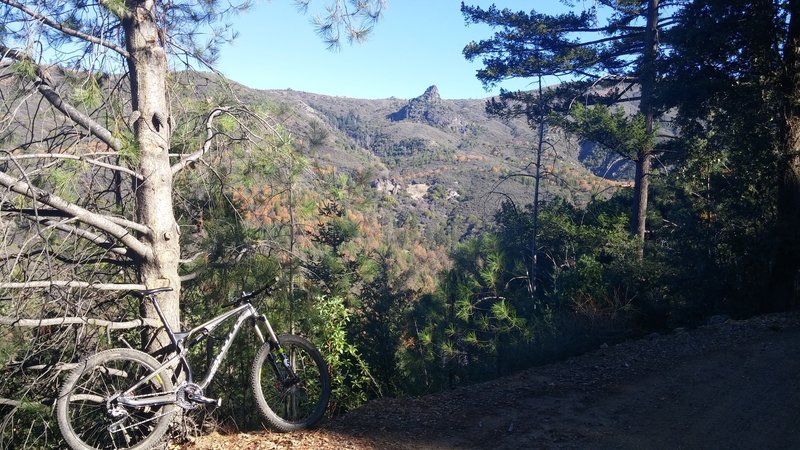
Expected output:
(217, 402)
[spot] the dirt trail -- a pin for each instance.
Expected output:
(733, 385)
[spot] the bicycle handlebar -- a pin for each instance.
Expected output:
(248, 295)
(236, 302)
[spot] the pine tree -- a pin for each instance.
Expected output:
(733, 76)
(604, 63)
(88, 164)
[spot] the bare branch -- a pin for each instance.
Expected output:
(186, 161)
(193, 257)
(65, 29)
(99, 221)
(85, 158)
(9, 402)
(136, 226)
(85, 234)
(72, 285)
(60, 367)
(78, 117)
(189, 277)
(57, 321)
(44, 87)
(41, 212)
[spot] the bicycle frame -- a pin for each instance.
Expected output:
(124, 397)
(183, 341)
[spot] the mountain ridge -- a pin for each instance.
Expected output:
(444, 160)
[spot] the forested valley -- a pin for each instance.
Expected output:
(422, 244)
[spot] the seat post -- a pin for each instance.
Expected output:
(167, 328)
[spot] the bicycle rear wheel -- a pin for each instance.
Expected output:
(87, 414)
(291, 400)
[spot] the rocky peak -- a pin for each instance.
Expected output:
(428, 108)
(431, 95)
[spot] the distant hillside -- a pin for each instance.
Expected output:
(444, 161)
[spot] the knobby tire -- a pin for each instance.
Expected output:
(290, 405)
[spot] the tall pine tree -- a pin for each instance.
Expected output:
(734, 76)
(607, 52)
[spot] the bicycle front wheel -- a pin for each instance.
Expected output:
(90, 418)
(291, 398)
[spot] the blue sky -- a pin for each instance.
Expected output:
(416, 44)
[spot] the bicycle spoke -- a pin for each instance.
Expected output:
(90, 414)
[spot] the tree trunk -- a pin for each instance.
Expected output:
(148, 69)
(785, 277)
(534, 270)
(641, 187)
(643, 161)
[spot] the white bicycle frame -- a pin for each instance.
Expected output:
(183, 341)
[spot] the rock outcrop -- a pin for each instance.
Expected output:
(428, 108)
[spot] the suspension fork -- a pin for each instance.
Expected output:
(271, 336)
(273, 339)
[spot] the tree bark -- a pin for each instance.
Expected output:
(785, 282)
(644, 157)
(147, 65)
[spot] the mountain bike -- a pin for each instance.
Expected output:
(126, 398)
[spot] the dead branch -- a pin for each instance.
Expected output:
(58, 367)
(84, 158)
(136, 226)
(37, 213)
(78, 117)
(72, 285)
(186, 161)
(85, 234)
(43, 85)
(57, 321)
(9, 402)
(83, 215)
(96, 259)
